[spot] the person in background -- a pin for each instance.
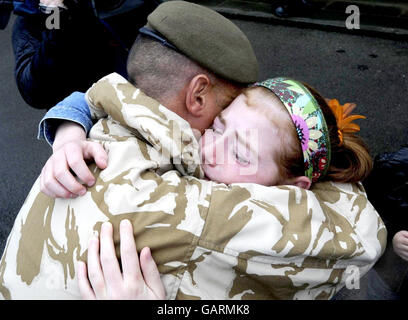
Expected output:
(387, 190)
(90, 40)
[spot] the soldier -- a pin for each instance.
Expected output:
(259, 242)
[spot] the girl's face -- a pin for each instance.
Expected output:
(243, 144)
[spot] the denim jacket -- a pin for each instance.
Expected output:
(73, 108)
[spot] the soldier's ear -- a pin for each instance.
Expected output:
(197, 95)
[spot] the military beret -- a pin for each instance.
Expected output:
(208, 38)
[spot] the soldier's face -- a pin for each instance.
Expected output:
(242, 146)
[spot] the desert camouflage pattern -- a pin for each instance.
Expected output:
(210, 240)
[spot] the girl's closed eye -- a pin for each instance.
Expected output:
(241, 160)
(217, 130)
(218, 126)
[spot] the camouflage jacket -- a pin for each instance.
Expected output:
(210, 240)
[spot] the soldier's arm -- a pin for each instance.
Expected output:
(329, 230)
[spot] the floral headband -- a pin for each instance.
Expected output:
(309, 121)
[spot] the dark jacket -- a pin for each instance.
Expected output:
(387, 189)
(51, 64)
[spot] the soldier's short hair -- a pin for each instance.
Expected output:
(159, 70)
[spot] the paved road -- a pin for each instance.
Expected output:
(369, 71)
(21, 154)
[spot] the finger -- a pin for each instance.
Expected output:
(43, 187)
(400, 238)
(60, 172)
(128, 253)
(401, 234)
(94, 150)
(109, 261)
(95, 273)
(50, 186)
(83, 283)
(151, 273)
(57, 190)
(74, 154)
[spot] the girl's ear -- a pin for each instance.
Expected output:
(301, 182)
